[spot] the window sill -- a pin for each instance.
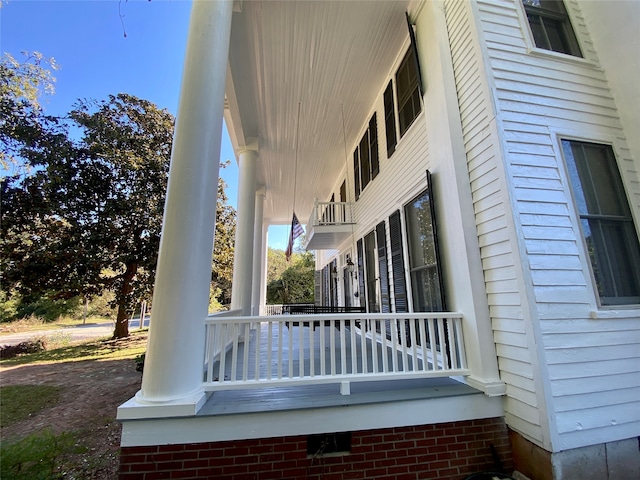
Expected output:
(563, 57)
(605, 313)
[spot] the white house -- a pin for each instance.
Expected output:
(470, 172)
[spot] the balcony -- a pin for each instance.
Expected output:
(288, 350)
(330, 224)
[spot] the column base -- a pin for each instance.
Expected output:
(138, 408)
(488, 387)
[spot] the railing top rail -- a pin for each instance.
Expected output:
(225, 313)
(334, 316)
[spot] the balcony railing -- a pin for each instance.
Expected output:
(331, 213)
(249, 352)
(329, 225)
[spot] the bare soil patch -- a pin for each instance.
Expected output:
(92, 390)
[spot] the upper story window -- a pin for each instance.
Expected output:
(606, 221)
(551, 27)
(408, 95)
(366, 164)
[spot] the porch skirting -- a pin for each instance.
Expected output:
(450, 450)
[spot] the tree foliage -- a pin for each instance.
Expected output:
(295, 284)
(223, 249)
(23, 86)
(86, 216)
(89, 217)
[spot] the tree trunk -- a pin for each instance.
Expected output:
(122, 319)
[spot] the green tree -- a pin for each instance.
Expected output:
(23, 86)
(89, 218)
(223, 249)
(295, 284)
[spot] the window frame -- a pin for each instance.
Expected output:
(568, 34)
(578, 217)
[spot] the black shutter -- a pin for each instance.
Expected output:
(365, 160)
(373, 146)
(317, 278)
(432, 206)
(397, 262)
(390, 119)
(356, 173)
(361, 279)
(383, 268)
(414, 50)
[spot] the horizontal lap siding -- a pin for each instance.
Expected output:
(593, 364)
(490, 207)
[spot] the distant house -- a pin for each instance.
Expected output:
(470, 172)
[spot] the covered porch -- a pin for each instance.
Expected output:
(292, 146)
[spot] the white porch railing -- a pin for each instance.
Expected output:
(331, 213)
(335, 348)
(213, 349)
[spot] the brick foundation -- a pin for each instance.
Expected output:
(443, 451)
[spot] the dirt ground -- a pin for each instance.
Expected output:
(92, 391)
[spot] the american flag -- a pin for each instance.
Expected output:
(296, 231)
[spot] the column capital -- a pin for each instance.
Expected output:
(252, 146)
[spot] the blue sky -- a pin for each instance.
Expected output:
(87, 40)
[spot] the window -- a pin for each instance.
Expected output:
(373, 270)
(408, 92)
(366, 165)
(426, 279)
(605, 220)
(551, 27)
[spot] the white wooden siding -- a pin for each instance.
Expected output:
(494, 235)
(591, 366)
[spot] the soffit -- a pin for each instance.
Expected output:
(296, 69)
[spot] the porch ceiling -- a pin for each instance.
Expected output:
(318, 58)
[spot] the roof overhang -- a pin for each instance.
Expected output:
(303, 78)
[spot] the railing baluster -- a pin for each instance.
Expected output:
(453, 357)
(323, 357)
(280, 349)
(290, 353)
(312, 352)
(414, 346)
(352, 339)
(383, 343)
(269, 348)
(223, 351)
(258, 344)
(432, 345)
(332, 342)
(443, 345)
(374, 346)
(403, 340)
(394, 343)
(343, 352)
(300, 351)
(234, 354)
(245, 351)
(363, 345)
(423, 345)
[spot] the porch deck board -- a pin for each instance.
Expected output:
(265, 399)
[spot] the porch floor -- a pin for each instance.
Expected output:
(256, 400)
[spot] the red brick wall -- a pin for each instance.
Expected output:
(443, 451)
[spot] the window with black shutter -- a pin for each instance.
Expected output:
(407, 86)
(390, 119)
(422, 238)
(366, 163)
(397, 263)
(383, 268)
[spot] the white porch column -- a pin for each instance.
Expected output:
(243, 255)
(263, 280)
(258, 249)
(174, 359)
